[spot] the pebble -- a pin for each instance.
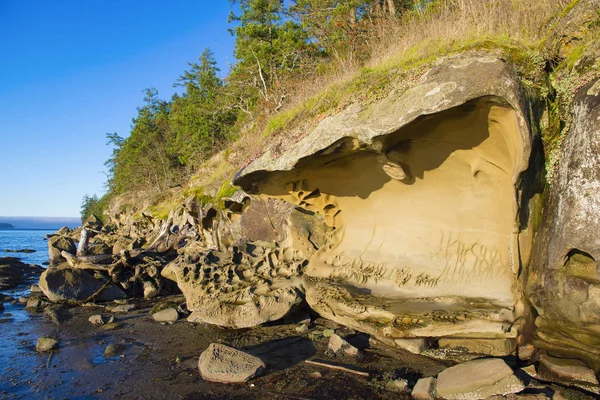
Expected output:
(46, 344)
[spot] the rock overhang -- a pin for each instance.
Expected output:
(372, 172)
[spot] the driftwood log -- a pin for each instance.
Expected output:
(82, 246)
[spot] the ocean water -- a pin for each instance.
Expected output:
(16, 239)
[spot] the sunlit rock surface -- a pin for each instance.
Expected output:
(421, 195)
(564, 285)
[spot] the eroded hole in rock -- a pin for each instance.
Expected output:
(582, 265)
(207, 221)
(426, 224)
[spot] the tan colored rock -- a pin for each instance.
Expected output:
(44, 344)
(415, 346)
(166, 315)
(424, 389)
(220, 363)
(419, 190)
(569, 369)
(477, 379)
(339, 346)
(490, 347)
(526, 352)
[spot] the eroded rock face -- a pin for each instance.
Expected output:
(252, 272)
(564, 285)
(421, 195)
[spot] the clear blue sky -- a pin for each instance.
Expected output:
(73, 70)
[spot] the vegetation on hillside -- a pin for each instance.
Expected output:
(297, 62)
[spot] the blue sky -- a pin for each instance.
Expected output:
(72, 71)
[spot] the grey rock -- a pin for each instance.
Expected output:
(72, 284)
(57, 244)
(564, 281)
(220, 363)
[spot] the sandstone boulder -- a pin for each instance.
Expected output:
(220, 363)
(72, 284)
(477, 379)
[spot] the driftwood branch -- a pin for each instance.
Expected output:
(87, 262)
(163, 231)
(337, 367)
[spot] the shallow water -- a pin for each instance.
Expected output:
(17, 239)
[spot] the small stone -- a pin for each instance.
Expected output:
(113, 350)
(301, 328)
(526, 352)
(316, 374)
(35, 289)
(166, 315)
(110, 326)
(96, 319)
(530, 370)
(424, 389)
(338, 346)
(567, 368)
(34, 303)
(328, 332)
(220, 363)
(23, 300)
(123, 308)
(397, 385)
(46, 344)
(178, 359)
